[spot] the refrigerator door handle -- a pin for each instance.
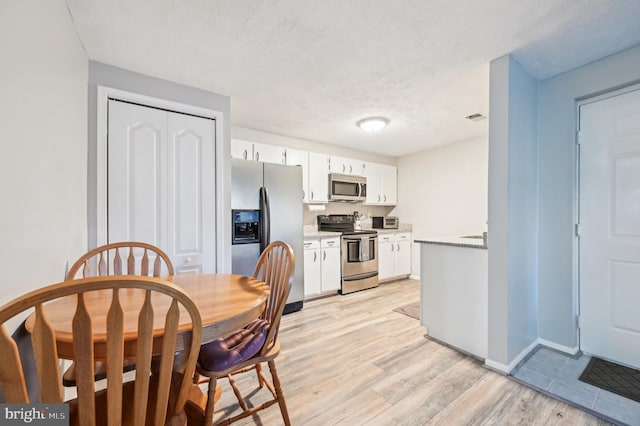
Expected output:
(265, 217)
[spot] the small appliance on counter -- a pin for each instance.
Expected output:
(381, 222)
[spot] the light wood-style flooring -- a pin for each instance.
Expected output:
(351, 360)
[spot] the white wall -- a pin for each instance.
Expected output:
(557, 123)
(43, 166)
(443, 192)
(44, 77)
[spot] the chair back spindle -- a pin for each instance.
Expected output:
(275, 267)
(151, 393)
(138, 257)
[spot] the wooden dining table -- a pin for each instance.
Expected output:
(227, 302)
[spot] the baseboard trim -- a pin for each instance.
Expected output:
(560, 348)
(496, 366)
(507, 369)
(414, 277)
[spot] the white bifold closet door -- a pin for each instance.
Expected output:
(161, 183)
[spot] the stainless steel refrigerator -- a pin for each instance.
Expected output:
(266, 203)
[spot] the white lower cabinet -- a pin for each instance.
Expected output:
(321, 266)
(312, 283)
(395, 255)
(330, 250)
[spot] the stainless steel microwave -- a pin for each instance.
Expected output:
(347, 187)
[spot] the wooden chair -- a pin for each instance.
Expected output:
(149, 398)
(246, 349)
(107, 260)
(96, 261)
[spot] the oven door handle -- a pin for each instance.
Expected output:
(360, 276)
(357, 239)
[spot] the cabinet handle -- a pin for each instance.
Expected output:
(392, 248)
(385, 198)
(398, 246)
(244, 154)
(187, 260)
(315, 256)
(257, 156)
(304, 195)
(311, 195)
(343, 168)
(350, 169)
(324, 255)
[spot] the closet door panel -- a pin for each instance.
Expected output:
(191, 193)
(136, 185)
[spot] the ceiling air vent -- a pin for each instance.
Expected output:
(475, 117)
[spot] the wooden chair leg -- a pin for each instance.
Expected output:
(237, 393)
(258, 371)
(280, 395)
(211, 399)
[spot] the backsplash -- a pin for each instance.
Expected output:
(309, 217)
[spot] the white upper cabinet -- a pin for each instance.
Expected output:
(347, 166)
(296, 157)
(318, 178)
(268, 153)
(241, 149)
(265, 153)
(382, 181)
(373, 173)
(389, 185)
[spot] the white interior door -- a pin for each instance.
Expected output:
(610, 228)
(161, 183)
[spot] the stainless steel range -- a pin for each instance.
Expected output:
(358, 250)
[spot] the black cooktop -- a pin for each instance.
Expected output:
(343, 223)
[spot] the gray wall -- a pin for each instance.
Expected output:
(513, 203)
(557, 123)
(118, 78)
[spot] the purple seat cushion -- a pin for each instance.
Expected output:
(235, 348)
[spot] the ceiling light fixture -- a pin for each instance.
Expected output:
(372, 124)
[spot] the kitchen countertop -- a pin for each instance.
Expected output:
(401, 228)
(312, 232)
(455, 241)
(320, 234)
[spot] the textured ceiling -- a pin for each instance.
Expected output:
(311, 69)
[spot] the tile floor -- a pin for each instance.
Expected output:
(557, 374)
